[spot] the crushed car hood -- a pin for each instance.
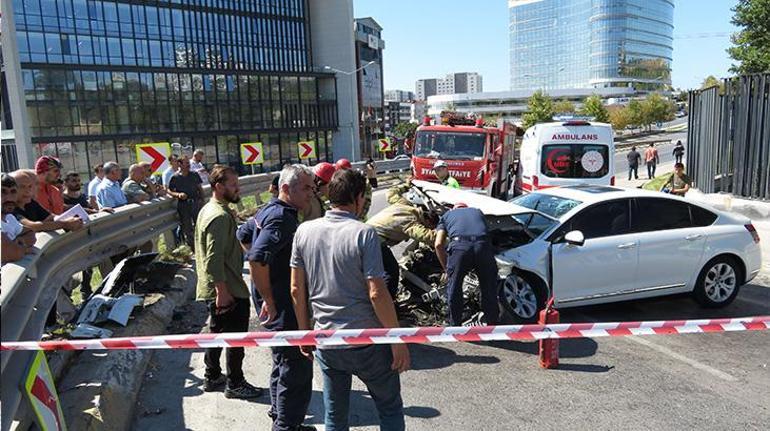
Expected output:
(487, 205)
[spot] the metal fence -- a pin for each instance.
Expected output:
(729, 137)
(30, 286)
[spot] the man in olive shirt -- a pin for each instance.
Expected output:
(219, 260)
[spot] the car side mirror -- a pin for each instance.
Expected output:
(575, 238)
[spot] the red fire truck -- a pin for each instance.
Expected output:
(480, 158)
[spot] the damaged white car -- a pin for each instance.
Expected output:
(590, 245)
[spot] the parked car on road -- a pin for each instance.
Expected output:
(590, 244)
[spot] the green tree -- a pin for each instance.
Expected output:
(405, 130)
(539, 109)
(658, 109)
(752, 43)
(564, 106)
(635, 113)
(710, 81)
(620, 117)
(593, 107)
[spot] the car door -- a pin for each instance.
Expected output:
(670, 244)
(605, 264)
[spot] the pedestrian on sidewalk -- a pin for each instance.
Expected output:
(340, 277)
(678, 151)
(275, 224)
(94, 183)
(185, 186)
(197, 166)
(371, 173)
(679, 183)
(219, 261)
(651, 159)
(634, 158)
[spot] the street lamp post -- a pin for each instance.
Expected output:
(360, 120)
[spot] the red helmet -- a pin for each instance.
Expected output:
(324, 171)
(343, 164)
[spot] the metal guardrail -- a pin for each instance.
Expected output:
(30, 286)
(729, 137)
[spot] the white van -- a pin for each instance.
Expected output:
(566, 153)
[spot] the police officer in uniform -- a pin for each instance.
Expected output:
(441, 170)
(406, 218)
(268, 256)
(465, 229)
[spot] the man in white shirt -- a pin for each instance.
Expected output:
(197, 166)
(94, 183)
(16, 241)
(173, 167)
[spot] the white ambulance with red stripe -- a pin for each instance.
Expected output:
(566, 153)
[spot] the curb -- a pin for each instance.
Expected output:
(99, 391)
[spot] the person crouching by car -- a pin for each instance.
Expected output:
(679, 183)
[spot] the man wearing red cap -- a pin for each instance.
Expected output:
(323, 175)
(48, 170)
(344, 164)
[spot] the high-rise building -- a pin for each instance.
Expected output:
(558, 44)
(88, 80)
(399, 96)
(453, 83)
(425, 88)
(371, 92)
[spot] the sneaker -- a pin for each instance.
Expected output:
(215, 384)
(243, 392)
(476, 320)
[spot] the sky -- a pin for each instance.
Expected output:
(430, 38)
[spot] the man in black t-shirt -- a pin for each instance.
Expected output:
(186, 187)
(73, 194)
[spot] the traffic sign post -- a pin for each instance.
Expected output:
(156, 154)
(384, 145)
(252, 154)
(40, 390)
(306, 150)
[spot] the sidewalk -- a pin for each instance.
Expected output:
(621, 178)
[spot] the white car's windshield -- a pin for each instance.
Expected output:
(554, 206)
(536, 223)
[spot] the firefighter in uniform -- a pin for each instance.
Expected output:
(343, 164)
(441, 170)
(465, 231)
(406, 218)
(323, 176)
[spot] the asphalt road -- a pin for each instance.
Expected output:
(715, 381)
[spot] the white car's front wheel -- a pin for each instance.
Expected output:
(522, 296)
(718, 282)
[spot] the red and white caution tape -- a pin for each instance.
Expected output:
(402, 335)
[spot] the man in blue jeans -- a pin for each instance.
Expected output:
(342, 274)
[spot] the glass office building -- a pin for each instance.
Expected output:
(558, 44)
(100, 77)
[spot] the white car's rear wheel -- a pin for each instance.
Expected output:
(718, 282)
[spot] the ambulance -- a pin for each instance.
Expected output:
(566, 153)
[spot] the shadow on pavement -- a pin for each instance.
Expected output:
(430, 357)
(568, 348)
(363, 412)
(752, 300)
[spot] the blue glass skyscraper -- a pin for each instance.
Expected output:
(556, 44)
